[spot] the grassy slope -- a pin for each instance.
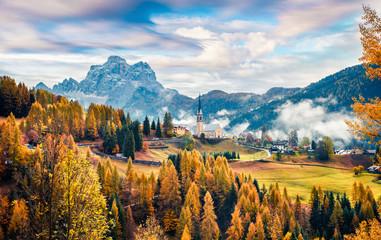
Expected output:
(300, 179)
(173, 148)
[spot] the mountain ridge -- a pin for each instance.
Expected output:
(135, 89)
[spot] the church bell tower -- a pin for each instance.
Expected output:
(200, 120)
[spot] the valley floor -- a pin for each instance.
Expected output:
(298, 173)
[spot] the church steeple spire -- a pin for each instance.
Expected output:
(200, 120)
(199, 103)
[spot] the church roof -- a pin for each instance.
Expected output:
(211, 127)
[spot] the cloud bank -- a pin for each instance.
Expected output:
(313, 120)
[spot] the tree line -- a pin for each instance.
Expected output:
(15, 98)
(59, 194)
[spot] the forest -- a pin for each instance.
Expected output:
(58, 190)
(62, 193)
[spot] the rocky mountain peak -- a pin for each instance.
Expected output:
(42, 85)
(116, 59)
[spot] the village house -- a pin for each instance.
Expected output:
(180, 130)
(279, 145)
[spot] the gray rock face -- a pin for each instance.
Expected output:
(118, 84)
(66, 86)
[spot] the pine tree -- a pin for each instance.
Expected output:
(153, 125)
(298, 208)
(146, 127)
(116, 230)
(168, 124)
(315, 219)
(129, 145)
(336, 220)
(138, 135)
(235, 231)
(184, 220)
(130, 225)
(264, 131)
(293, 138)
(128, 119)
(158, 129)
(209, 227)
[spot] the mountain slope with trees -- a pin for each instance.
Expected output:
(334, 92)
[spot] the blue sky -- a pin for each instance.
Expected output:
(193, 46)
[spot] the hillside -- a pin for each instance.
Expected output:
(334, 92)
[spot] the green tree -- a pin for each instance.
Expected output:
(337, 219)
(129, 145)
(305, 142)
(138, 135)
(313, 145)
(293, 138)
(278, 156)
(324, 148)
(146, 127)
(158, 129)
(153, 125)
(168, 124)
(264, 131)
(187, 141)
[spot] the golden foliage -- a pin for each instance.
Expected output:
(209, 228)
(370, 230)
(371, 42)
(235, 231)
(368, 116)
(20, 216)
(186, 235)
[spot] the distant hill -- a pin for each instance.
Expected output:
(135, 89)
(341, 87)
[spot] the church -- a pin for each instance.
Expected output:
(211, 131)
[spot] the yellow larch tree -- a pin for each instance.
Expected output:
(368, 114)
(18, 224)
(209, 227)
(235, 231)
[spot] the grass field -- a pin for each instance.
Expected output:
(300, 179)
(173, 148)
(257, 155)
(223, 146)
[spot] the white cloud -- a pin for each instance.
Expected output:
(195, 33)
(311, 120)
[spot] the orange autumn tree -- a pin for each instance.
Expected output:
(368, 114)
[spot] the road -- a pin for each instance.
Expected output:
(258, 148)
